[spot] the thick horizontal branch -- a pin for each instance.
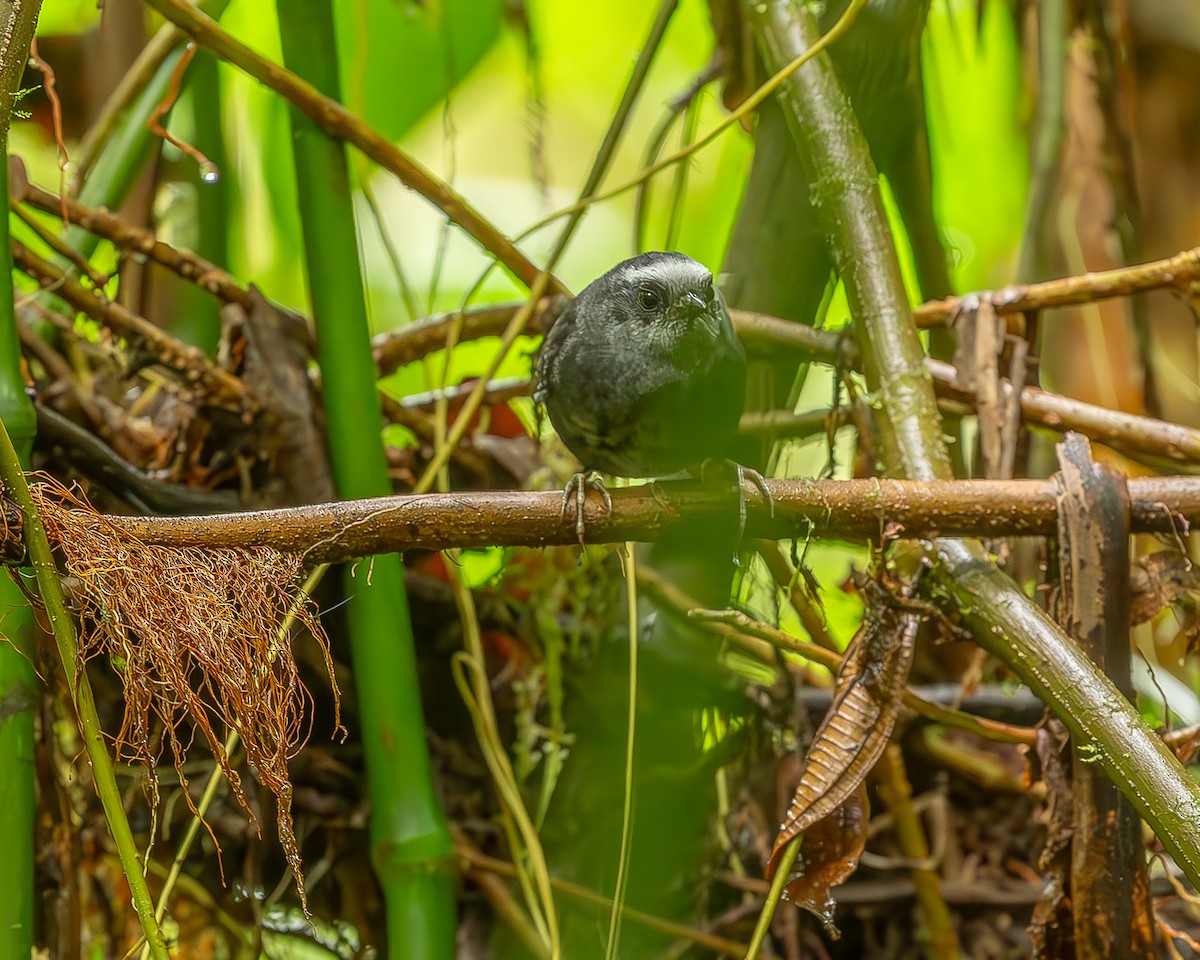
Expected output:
(843, 509)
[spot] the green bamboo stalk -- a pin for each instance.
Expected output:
(411, 846)
(19, 691)
(1004, 621)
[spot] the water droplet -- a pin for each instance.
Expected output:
(209, 172)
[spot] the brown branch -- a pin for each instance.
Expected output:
(1126, 431)
(761, 334)
(340, 123)
(218, 385)
(845, 509)
(417, 340)
(1179, 272)
(764, 335)
(127, 238)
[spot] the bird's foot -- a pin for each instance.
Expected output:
(746, 477)
(575, 495)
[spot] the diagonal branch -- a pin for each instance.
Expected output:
(126, 237)
(219, 385)
(340, 123)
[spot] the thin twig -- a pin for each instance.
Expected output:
(128, 238)
(471, 855)
(133, 82)
(1179, 272)
(219, 385)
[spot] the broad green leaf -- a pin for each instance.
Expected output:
(400, 58)
(64, 17)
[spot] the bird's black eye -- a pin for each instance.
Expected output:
(707, 292)
(649, 298)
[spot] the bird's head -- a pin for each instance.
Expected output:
(669, 291)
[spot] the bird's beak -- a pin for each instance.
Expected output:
(694, 308)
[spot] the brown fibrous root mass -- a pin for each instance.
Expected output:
(195, 635)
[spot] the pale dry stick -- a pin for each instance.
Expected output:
(470, 675)
(468, 852)
(189, 837)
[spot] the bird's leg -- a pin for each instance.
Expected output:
(576, 491)
(744, 474)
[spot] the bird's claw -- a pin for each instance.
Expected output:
(756, 480)
(759, 482)
(576, 491)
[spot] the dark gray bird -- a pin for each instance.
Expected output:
(642, 375)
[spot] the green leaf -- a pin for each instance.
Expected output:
(65, 17)
(400, 58)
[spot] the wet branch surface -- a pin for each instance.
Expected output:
(841, 509)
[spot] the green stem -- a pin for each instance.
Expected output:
(763, 926)
(50, 590)
(19, 691)
(629, 561)
(411, 846)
